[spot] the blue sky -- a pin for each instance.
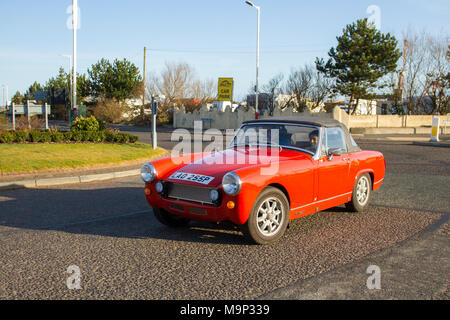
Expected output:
(218, 38)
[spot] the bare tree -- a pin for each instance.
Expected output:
(427, 66)
(175, 82)
(273, 88)
(320, 90)
(299, 84)
(205, 91)
(307, 84)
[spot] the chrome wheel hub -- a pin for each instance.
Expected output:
(363, 190)
(269, 217)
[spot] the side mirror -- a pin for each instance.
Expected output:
(334, 152)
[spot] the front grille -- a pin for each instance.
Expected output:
(188, 193)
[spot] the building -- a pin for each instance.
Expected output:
(263, 101)
(222, 105)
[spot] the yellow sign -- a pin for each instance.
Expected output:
(225, 89)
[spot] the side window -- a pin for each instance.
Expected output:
(335, 139)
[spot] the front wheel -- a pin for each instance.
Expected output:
(269, 217)
(361, 194)
(170, 219)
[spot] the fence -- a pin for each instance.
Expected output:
(228, 119)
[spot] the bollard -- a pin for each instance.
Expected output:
(46, 116)
(435, 130)
(28, 114)
(13, 116)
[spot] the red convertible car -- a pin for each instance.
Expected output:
(275, 170)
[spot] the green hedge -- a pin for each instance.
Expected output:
(36, 136)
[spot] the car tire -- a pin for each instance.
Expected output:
(269, 217)
(362, 192)
(169, 219)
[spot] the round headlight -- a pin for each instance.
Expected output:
(159, 187)
(148, 172)
(214, 195)
(231, 184)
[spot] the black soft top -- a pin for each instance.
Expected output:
(313, 121)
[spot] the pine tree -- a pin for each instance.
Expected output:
(363, 56)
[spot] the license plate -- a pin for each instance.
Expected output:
(191, 177)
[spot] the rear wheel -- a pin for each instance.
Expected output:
(170, 219)
(361, 194)
(269, 217)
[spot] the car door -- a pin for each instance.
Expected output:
(333, 171)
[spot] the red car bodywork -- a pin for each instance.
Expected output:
(310, 185)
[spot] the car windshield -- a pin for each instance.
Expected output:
(278, 135)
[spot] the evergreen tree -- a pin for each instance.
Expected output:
(17, 98)
(363, 56)
(29, 94)
(117, 80)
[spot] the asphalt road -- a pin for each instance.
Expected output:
(109, 232)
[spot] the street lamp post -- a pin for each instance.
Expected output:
(74, 72)
(258, 9)
(5, 86)
(70, 75)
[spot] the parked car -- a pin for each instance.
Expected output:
(276, 170)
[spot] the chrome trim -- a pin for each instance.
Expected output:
(153, 172)
(306, 205)
(238, 182)
(379, 181)
(178, 191)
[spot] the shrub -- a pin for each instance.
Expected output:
(86, 136)
(77, 136)
(109, 110)
(133, 139)
(7, 137)
(165, 115)
(3, 121)
(37, 136)
(98, 136)
(85, 124)
(40, 136)
(121, 138)
(34, 123)
(20, 136)
(109, 136)
(101, 125)
(67, 136)
(57, 136)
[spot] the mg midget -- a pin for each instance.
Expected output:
(275, 170)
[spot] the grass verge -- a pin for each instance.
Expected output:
(32, 157)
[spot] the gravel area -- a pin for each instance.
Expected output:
(135, 258)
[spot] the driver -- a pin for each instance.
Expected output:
(313, 140)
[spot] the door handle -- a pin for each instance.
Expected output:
(346, 158)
